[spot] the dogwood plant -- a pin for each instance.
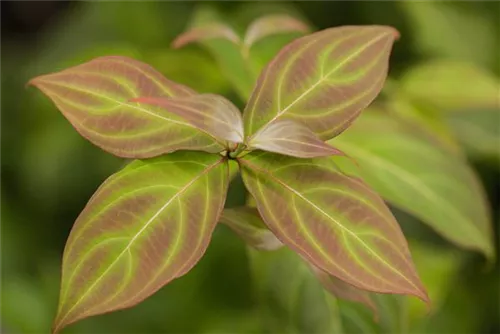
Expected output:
(152, 221)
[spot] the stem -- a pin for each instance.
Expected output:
(240, 148)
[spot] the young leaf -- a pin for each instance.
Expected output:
(322, 80)
(291, 138)
(225, 46)
(145, 226)
(206, 32)
(211, 113)
(415, 174)
(272, 25)
(341, 289)
(95, 96)
(333, 221)
(246, 222)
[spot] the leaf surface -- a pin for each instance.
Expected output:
(95, 96)
(272, 25)
(206, 32)
(322, 80)
(211, 113)
(413, 173)
(478, 131)
(291, 138)
(333, 221)
(246, 222)
(290, 298)
(145, 226)
(341, 289)
(442, 84)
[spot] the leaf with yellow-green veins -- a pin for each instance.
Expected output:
(343, 290)
(414, 173)
(95, 98)
(145, 226)
(322, 80)
(247, 223)
(334, 221)
(211, 113)
(291, 138)
(271, 25)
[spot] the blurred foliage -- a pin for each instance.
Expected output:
(49, 172)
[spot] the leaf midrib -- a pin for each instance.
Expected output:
(120, 103)
(297, 193)
(325, 76)
(134, 238)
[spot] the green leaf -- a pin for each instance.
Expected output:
(210, 113)
(452, 30)
(413, 173)
(291, 298)
(322, 80)
(94, 97)
(478, 131)
(269, 25)
(341, 289)
(240, 66)
(291, 138)
(443, 84)
(224, 45)
(145, 226)
(246, 222)
(333, 221)
(440, 270)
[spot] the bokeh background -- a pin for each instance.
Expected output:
(48, 171)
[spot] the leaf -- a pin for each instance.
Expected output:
(94, 97)
(291, 138)
(333, 221)
(206, 32)
(453, 31)
(145, 226)
(246, 222)
(440, 270)
(225, 49)
(413, 173)
(478, 131)
(210, 113)
(441, 83)
(341, 289)
(322, 80)
(290, 297)
(272, 25)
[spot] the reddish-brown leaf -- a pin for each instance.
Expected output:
(343, 290)
(95, 98)
(272, 25)
(209, 31)
(322, 80)
(247, 223)
(291, 138)
(333, 221)
(208, 112)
